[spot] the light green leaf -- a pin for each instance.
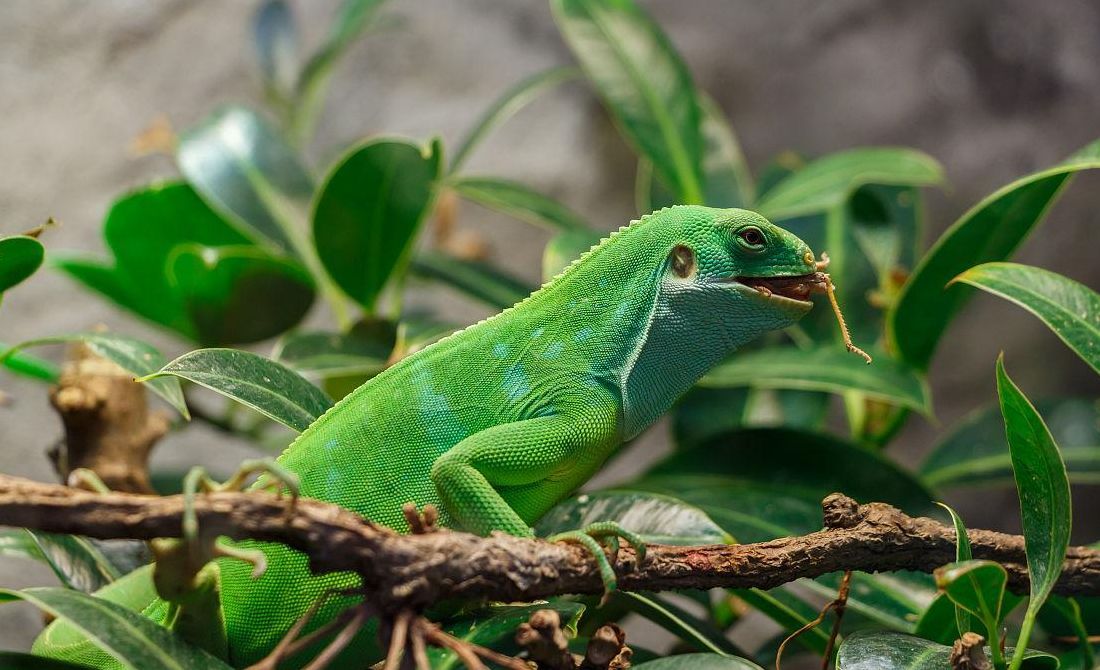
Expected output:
(963, 554)
(134, 640)
(20, 256)
(644, 83)
(254, 381)
(513, 100)
(495, 627)
(133, 356)
(369, 210)
(241, 166)
(657, 518)
(77, 562)
(517, 200)
(564, 248)
(18, 543)
(977, 587)
(885, 650)
(827, 182)
(27, 365)
(827, 368)
(1043, 487)
(362, 351)
(698, 662)
(975, 452)
(1070, 309)
(990, 231)
(477, 280)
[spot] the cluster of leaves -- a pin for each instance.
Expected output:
(235, 252)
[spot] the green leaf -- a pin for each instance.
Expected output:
(133, 356)
(241, 166)
(975, 452)
(18, 543)
(513, 100)
(827, 182)
(239, 294)
(14, 660)
(369, 210)
(790, 612)
(331, 354)
(657, 518)
(698, 662)
(1043, 487)
(939, 622)
(495, 627)
(781, 166)
(990, 231)
(134, 640)
(827, 368)
(696, 633)
(963, 554)
(1070, 309)
(20, 256)
(564, 248)
(254, 381)
(703, 413)
(276, 39)
(977, 587)
(644, 83)
(27, 365)
(477, 280)
(515, 199)
(1065, 615)
(351, 20)
(885, 650)
(75, 560)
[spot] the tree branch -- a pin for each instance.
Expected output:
(403, 571)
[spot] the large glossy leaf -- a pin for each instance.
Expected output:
(884, 650)
(134, 640)
(14, 660)
(257, 382)
(517, 200)
(495, 627)
(77, 562)
(20, 256)
(657, 518)
(513, 100)
(1043, 488)
(825, 368)
(990, 231)
(975, 452)
(698, 662)
(1069, 308)
(827, 182)
(242, 167)
(239, 294)
(477, 280)
(644, 83)
(133, 356)
(369, 210)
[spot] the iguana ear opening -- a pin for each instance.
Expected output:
(682, 259)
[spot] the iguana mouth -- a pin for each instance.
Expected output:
(796, 287)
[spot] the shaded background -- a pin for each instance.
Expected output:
(993, 90)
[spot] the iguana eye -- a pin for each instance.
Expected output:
(683, 260)
(752, 238)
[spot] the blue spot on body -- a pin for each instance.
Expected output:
(516, 383)
(537, 333)
(553, 351)
(500, 350)
(583, 334)
(620, 312)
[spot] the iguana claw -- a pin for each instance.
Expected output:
(609, 532)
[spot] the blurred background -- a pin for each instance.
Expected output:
(991, 89)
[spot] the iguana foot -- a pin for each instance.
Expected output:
(609, 532)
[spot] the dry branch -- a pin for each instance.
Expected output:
(410, 571)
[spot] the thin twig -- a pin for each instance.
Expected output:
(841, 606)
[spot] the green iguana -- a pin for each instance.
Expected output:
(498, 422)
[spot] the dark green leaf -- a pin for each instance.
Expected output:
(369, 210)
(990, 231)
(1065, 616)
(75, 560)
(657, 518)
(257, 382)
(19, 543)
(1068, 308)
(14, 660)
(890, 601)
(564, 248)
(790, 612)
(690, 630)
(477, 280)
(643, 82)
(329, 354)
(827, 182)
(703, 413)
(698, 662)
(515, 199)
(495, 627)
(827, 368)
(242, 167)
(1043, 488)
(134, 640)
(781, 166)
(885, 650)
(939, 622)
(276, 37)
(975, 452)
(239, 294)
(133, 356)
(20, 256)
(513, 100)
